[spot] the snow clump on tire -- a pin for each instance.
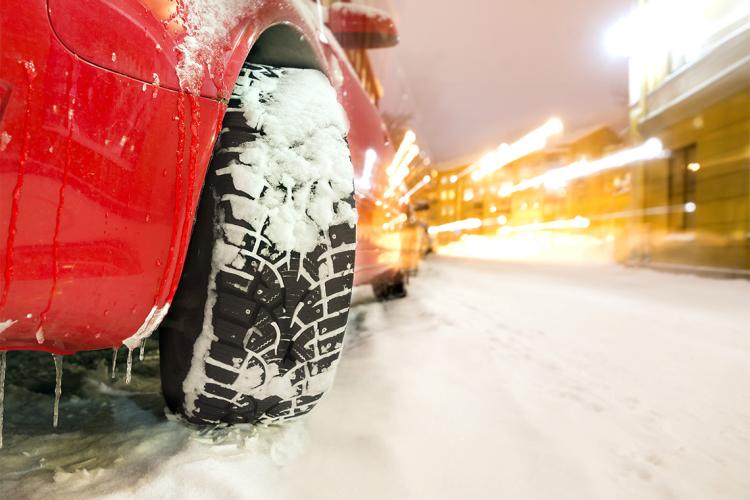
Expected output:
(299, 173)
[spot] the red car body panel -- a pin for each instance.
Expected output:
(101, 169)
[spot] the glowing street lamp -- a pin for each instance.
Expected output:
(676, 27)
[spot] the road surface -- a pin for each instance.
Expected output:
(491, 380)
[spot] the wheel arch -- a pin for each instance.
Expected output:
(289, 40)
(285, 45)
(282, 43)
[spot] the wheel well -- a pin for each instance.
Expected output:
(283, 45)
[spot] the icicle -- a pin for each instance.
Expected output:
(114, 361)
(58, 388)
(130, 365)
(2, 394)
(143, 350)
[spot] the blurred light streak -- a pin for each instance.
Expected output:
(473, 223)
(406, 143)
(391, 225)
(577, 222)
(542, 246)
(365, 181)
(405, 198)
(398, 170)
(689, 207)
(403, 168)
(532, 142)
(558, 178)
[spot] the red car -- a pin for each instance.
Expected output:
(188, 165)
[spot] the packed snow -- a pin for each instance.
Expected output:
(298, 171)
(5, 139)
(522, 380)
(4, 325)
(149, 325)
(207, 26)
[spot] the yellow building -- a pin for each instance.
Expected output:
(443, 194)
(455, 195)
(690, 87)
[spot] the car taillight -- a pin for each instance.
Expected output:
(132, 37)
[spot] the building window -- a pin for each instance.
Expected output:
(447, 211)
(622, 184)
(448, 195)
(681, 187)
(468, 194)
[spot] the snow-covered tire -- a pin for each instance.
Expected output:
(257, 324)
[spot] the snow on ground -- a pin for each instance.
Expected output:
(492, 380)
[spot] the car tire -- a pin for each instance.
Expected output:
(257, 337)
(391, 288)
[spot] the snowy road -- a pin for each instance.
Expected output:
(492, 380)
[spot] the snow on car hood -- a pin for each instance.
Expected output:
(208, 24)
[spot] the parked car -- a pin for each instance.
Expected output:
(187, 166)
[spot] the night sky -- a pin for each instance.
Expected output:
(477, 73)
